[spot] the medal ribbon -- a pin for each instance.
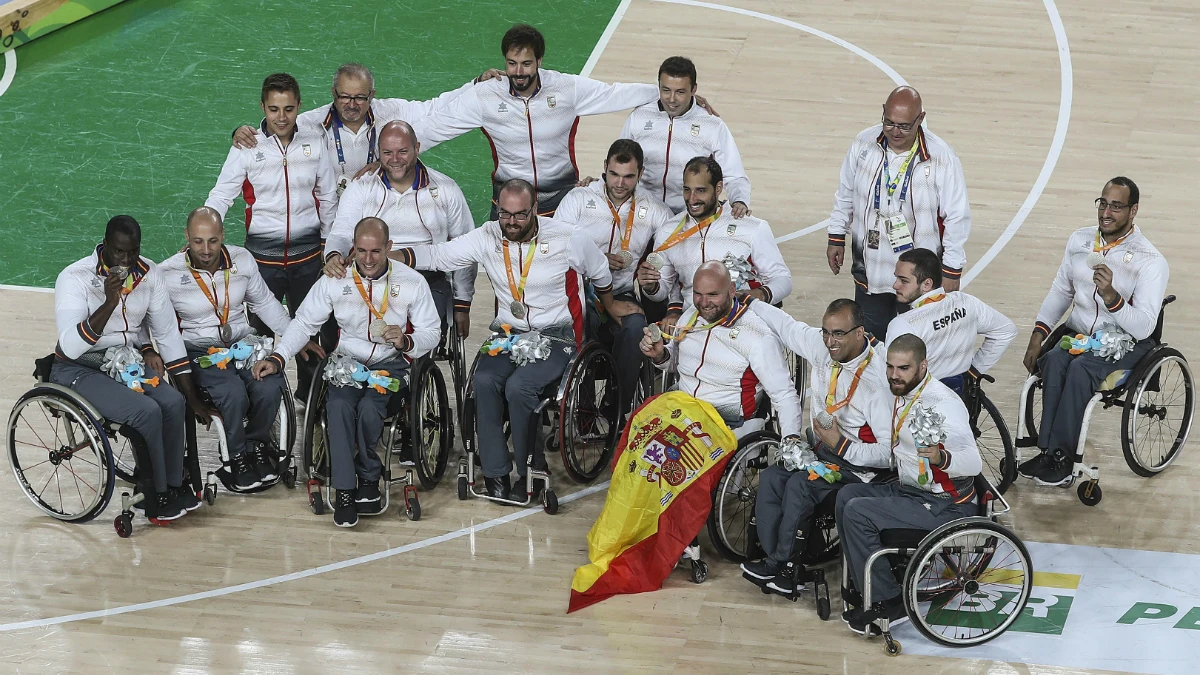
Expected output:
(897, 425)
(832, 407)
(691, 326)
(222, 316)
(930, 300)
(1100, 247)
(616, 214)
(905, 172)
(128, 285)
(378, 314)
(518, 290)
(677, 236)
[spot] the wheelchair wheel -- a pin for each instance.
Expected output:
(316, 437)
(283, 432)
(983, 576)
(588, 414)
(995, 445)
(429, 423)
(733, 501)
(458, 369)
(1033, 409)
(60, 455)
(1158, 413)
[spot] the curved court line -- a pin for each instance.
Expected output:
(293, 576)
(10, 70)
(1056, 145)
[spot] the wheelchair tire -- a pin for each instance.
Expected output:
(995, 445)
(1033, 409)
(314, 454)
(1164, 388)
(587, 420)
(283, 432)
(430, 426)
(56, 443)
(733, 500)
(990, 583)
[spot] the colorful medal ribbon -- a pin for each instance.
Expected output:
(518, 290)
(616, 214)
(677, 237)
(222, 315)
(1100, 247)
(377, 313)
(832, 407)
(929, 301)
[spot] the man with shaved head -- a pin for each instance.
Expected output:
(210, 283)
(419, 205)
(901, 187)
(727, 356)
(386, 316)
(936, 486)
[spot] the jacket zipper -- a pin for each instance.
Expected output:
(532, 154)
(667, 169)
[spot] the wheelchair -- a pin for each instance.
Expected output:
(61, 452)
(452, 349)
(995, 443)
(283, 440)
(1157, 398)
(963, 584)
(580, 410)
(417, 430)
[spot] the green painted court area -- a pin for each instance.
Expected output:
(130, 111)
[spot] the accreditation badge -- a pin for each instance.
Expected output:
(341, 187)
(873, 239)
(898, 233)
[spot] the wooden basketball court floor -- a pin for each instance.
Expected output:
(1043, 104)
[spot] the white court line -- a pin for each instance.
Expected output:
(1056, 145)
(604, 38)
(293, 576)
(10, 70)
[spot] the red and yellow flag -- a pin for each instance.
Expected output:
(672, 454)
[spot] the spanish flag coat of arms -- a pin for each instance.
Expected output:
(672, 454)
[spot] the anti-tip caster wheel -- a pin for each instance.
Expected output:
(316, 503)
(823, 609)
(289, 478)
(1090, 493)
(462, 488)
(699, 571)
(123, 524)
(412, 508)
(210, 494)
(549, 501)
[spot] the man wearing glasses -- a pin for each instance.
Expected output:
(850, 425)
(1111, 276)
(538, 267)
(901, 187)
(351, 124)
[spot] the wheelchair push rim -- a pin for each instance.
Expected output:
(995, 444)
(967, 583)
(588, 415)
(429, 426)
(1158, 414)
(733, 501)
(60, 456)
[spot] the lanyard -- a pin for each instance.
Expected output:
(677, 236)
(897, 425)
(929, 301)
(691, 326)
(830, 406)
(904, 173)
(222, 316)
(1099, 247)
(377, 313)
(337, 142)
(616, 214)
(518, 291)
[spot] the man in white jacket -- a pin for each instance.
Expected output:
(289, 187)
(936, 486)
(531, 117)
(387, 319)
(901, 187)
(676, 128)
(949, 322)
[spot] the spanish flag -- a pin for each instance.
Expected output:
(673, 452)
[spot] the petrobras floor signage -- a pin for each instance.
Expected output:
(1102, 608)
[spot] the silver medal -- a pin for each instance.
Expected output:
(226, 332)
(517, 309)
(626, 258)
(118, 271)
(824, 420)
(378, 326)
(1095, 259)
(655, 333)
(656, 261)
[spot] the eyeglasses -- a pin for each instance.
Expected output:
(347, 98)
(1117, 207)
(519, 216)
(838, 335)
(888, 124)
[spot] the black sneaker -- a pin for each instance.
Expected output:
(165, 506)
(783, 584)
(1058, 471)
(245, 476)
(853, 618)
(519, 489)
(368, 501)
(763, 570)
(1030, 467)
(344, 512)
(894, 607)
(260, 457)
(185, 498)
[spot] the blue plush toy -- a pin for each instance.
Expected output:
(134, 376)
(221, 356)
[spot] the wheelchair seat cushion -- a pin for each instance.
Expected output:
(901, 537)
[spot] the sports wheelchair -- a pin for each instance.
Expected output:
(61, 452)
(581, 412)
(963, 584)
(995, 443)
(417, 431)
(1157, 397)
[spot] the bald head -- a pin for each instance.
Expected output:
(903, 99)
(371, 226)
(712, 290)
(372, 244)
(712, 272)
(398, 128)
(205, 215)
(398, 151)
(205, 237)
(902, 117)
